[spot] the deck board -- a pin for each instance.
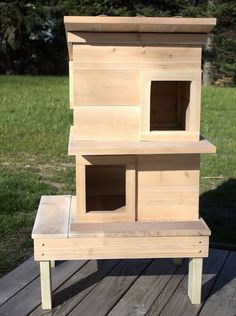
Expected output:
(223, 295)
(15, 281)
(122, 287)
(179, 301)
(111, 288)
(29, 298)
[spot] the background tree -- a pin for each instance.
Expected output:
(32, 36)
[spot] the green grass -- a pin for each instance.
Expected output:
(34, 128)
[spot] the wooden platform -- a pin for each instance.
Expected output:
(122, 287)
(57, 236)
(76, 147)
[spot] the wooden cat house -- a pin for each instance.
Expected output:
(135, 92)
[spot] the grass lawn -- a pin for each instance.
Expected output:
(34, 128)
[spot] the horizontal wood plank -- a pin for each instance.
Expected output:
(139, 24)
(106, 87)
(115, 122)
(48, 223)
(134, 148)
(140, 229)
(121, 248)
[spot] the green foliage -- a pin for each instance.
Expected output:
(32, 36)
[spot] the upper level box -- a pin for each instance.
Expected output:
(136, 78)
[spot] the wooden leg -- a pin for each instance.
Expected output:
(46, 284)
(195, 280)
(53, 263)
(177, 261)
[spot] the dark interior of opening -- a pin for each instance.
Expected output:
(168, 106)
(105, 187)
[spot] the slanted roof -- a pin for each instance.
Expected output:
(138, 24)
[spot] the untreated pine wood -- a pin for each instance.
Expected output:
(71, 80)
(46, 284)
(137, 147)
(108, 122)
(168, 187)
(48, 222)
(139, 24)
(139, 229)
(121, 247)
(195, 280)
(106, 87)
(128, 58)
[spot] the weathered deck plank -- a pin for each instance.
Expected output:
(29, 297)
(74, 290)
(164, 296)
(141, 295)
(15, 281)
(179, 303)
(104, 296)
(122, 287)
(222, 300)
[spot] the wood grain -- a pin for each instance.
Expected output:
(140, 229)
(111, 288)
(134, 148)
(139, 24)
(142, 294)
(110, 123)
(121, 248)
(106, 87)
(168, 187)
(47, 222)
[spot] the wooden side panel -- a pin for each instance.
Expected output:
(171, 136)
(126, 247)
(106, 123)
(168, 187)
(136, 53)
(194, 108)
(71, 85)
(106, 87)
(109, 57)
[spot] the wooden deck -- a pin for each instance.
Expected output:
(122, 287)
